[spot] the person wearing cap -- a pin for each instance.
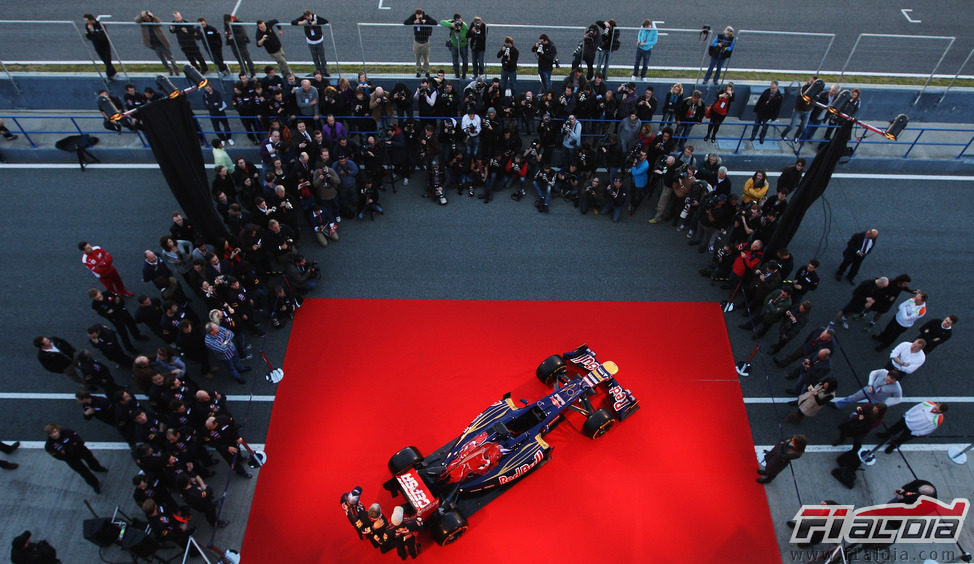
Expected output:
(402, 533)
(355, 510)
(22, 551)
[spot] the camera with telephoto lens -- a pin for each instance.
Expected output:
(314, 269)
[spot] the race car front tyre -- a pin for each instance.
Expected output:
(448, 527)
(404, 459)
(549, 370)
(598, 423)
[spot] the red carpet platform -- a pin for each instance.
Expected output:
(673, 483)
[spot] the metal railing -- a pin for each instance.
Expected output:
(735, 143)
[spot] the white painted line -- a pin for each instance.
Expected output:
(906, 400)
(36, 396)
(908, 447)
(39, 445)
(235, 8)
(147, 166)
(906, 14)
(381, 7)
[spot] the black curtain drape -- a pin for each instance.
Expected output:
(172, 134)
(813, 185)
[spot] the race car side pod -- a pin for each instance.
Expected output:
(257, 457)
(744, 367)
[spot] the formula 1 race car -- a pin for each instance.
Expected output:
(505, 443)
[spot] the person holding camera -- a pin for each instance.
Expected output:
(721, 49)
(616, 196)
(544, 181)
(571, 133)
(471, 125)
(301, 274)
(477, 40)
(457, 43)
(508, 55)
(609, 42)
(585, 51)
(689, 113)
(422, 29)
(547, 55)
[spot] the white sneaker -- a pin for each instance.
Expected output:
(405, 182)
(230, 142)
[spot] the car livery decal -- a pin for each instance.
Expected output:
(523, 469)
(416, 492)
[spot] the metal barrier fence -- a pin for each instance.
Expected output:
(63, 41)
(733, 139)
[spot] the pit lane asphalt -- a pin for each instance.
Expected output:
(467, 250)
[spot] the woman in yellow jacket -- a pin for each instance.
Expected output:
(755, 188)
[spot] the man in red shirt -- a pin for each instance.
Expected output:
(99, 262)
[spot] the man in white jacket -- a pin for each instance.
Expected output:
(919, 421)
(907, 313)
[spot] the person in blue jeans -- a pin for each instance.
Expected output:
(477, 40)
(721, 49)
(508, 55)
(616, 196)
(458, 43)
(645, 41)
(547, 58)
(544, 180)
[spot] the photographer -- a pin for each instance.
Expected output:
(640, 180)
(544, 181)
(615, 200)
(591, 196)
(547, 55)
(526, 110)
(721, 49)
(690, 212)
(568, 181)
(508, 55)
(586, 50)
(571, 133)
(425, 98)
(689, 113)
(457, 43)
(457, 170)
(494, 170)
(610, 42)
(471, 125)
(477, 39)
(516, 170)
(301, 274)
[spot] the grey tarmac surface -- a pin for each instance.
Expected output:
(465, 250)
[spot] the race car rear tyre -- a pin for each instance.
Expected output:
(449, 527)
(549, 370)
(598, 424)
(404, 459)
